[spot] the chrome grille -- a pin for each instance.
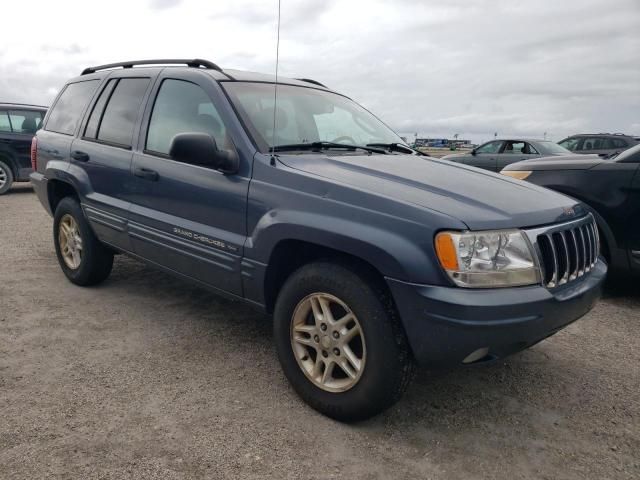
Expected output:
(568, 252)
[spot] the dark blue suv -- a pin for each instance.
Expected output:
(302, 203)
(18, 125)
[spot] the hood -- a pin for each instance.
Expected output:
(564, 162)
(481, 199)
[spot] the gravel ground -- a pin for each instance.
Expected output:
(148, 377)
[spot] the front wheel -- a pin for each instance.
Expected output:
(83, 259)
(340, 343)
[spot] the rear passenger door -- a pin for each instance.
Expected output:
(515, 151)
(103, 152)
(188, 218)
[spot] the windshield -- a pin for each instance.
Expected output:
(555, 148)
(304, 115)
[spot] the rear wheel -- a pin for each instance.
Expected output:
(340, 343)
(6, 178)
(83, 259)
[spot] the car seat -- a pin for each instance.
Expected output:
(29, 125)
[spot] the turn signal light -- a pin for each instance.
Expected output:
(446, 250)
(519, 174)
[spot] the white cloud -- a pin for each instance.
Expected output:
(470, 67)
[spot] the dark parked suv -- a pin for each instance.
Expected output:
(609, 187)
(303, 204)
(599, 143)
(18, 124)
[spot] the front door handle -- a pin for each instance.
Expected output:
(80, 156)
(146, 173)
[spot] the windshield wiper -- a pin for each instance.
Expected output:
(397, 147)
(319, 146)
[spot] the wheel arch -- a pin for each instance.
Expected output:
(57, 190)
(9, 159)
(289, 255)
(607, 239)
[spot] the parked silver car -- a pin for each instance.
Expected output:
(497, 154)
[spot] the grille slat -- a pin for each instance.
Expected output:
(583, 251)
(587, 229)
(575, 257)
(554, 256)
(567, 264)
(568, 253)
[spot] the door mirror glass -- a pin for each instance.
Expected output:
(201, 149)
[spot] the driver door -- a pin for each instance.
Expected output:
(486, 155)
(188, 218)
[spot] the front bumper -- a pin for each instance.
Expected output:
(445, 325)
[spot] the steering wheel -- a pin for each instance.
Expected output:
(344, 138)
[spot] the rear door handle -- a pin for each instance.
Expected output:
(146, 173)
(80, 156)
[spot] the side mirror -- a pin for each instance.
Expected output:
(473, 152)
(201, 149)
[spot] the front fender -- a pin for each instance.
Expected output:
(392, 254)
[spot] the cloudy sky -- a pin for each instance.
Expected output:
(472, 67)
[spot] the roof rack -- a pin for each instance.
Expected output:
(23, 104)
(315, 82)
(194, 63)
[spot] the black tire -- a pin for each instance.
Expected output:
(96, 260)
(389, 365)
(6, 177)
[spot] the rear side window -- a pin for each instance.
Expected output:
(25, 121)
(91, 130)
(66, 113)
(121, 112)
(5, 126)
(614, 143)
(592, 143)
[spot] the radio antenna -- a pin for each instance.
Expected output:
(275, 90)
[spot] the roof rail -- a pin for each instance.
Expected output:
(308, 80)
(195, 63)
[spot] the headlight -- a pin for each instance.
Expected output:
(519, 174)
(498, 258)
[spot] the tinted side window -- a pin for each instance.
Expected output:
(514, 147)
(121, 112)
(66, 113)
(570, 143)
(491, 147)
(25, 121)
(5, 126)
(591, 143)
(91, 130)
(182, 107)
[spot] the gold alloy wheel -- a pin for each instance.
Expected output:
(328, 342)
(70, 242)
